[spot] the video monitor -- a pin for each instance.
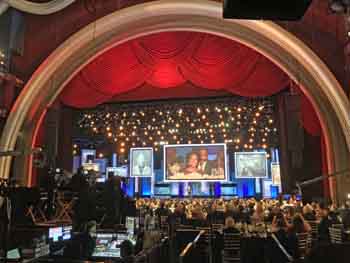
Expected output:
(88, 155)
(55, 233)
(106, 246)
(195, 162)
(67, 232)
(91, 166)
(130, 225)
(141, 162)
(250, 165)
(13, 255)
(121, 171)
(276, 174)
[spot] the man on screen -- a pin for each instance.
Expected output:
(204, 165)
(141, 167)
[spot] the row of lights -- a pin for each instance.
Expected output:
(242, 124)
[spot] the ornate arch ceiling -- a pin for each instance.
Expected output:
(323, 31)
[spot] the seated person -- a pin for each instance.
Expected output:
(230, 226)
(81, 246)
(287, 240)
(197, 219)
(127, 252)
(323, 226)
(308, 213)
(299, 225)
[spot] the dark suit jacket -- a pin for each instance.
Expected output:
(209, 165)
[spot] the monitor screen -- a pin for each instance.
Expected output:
(250, 165)
(87, 155)
(106, 246)
(55, 233)
(67, 232)
(130, 224)
(91, 166)
(13, 254)
(141, 162)
(195, 162)
(121, 171)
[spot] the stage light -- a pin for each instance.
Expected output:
(100, 155)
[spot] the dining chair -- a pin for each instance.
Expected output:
(304, 243)
(314, 230)
(232, 248)
(336, 235)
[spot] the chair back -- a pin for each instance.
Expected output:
(337, 225)
(217, 227)
(314, 230)
(336, 235)
(304, 243)
(232, 248)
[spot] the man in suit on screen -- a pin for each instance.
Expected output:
(204, 165)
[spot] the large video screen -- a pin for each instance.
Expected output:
(276, 173)
(250, 164)
(195, 162)
(141, 162)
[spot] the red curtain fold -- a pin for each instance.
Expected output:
(309, 117)
(170, 59)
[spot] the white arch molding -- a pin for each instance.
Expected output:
(280, 46)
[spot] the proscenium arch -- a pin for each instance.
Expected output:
(280, 46)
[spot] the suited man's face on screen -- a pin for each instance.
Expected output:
(203, 155)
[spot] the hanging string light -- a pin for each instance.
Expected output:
(242, 123)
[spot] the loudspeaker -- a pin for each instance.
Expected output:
(268, 9)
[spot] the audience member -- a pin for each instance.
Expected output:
(127, 252)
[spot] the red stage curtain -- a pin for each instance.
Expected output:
(309, 117)
(170, 59)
